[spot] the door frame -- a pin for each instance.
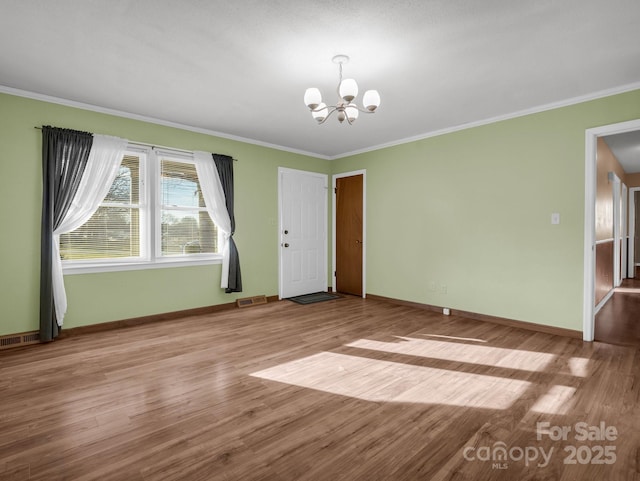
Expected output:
(631, 232)
(617, 237)
(589, 273)
(624, 228)
(282, 170)
(362, 172)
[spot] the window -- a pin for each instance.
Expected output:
(153, 215)
(114, 229)
(187, 227)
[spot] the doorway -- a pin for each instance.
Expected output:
(591, 139)
(349, 233)
(303, 222)
(634, 239)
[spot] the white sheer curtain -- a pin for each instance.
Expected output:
(216, 204)
(102, 167)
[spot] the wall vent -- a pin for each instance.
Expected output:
(251, 301)
(16, 340)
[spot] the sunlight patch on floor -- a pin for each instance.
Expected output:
(383, 381)
(450, 351)
(558, 400)
(579, 366)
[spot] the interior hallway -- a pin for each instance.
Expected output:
(618, 321)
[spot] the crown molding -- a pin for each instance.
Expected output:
(435, 133)
(491, 120)
(151, 120)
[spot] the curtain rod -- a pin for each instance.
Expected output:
(161, 147)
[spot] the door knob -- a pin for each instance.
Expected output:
(285, 244)
(358, 241)
(286, 231)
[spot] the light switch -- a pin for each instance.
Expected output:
(555, 218)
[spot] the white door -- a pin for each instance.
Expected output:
(303, 232)
(624, 219)
(617, 231)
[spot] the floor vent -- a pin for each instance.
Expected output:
(251, 301)
(15, 340)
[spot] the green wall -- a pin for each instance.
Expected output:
(95, 298)
(468, 210)
(471, 211)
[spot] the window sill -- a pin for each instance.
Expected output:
(137, 266)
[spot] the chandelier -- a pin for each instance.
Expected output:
(347, 92)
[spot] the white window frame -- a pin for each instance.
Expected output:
(150, 224)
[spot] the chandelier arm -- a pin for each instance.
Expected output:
(363, 110)
(333, 109)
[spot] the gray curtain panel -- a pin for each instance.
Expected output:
(224, 165)
(64, 158)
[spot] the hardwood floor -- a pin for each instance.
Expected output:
(618, 322)
(349, 389)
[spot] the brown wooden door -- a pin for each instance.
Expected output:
(349, 234)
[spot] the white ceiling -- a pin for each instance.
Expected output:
(240, 67)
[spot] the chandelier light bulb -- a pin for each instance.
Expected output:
(312, 98)
(320, 112)
(351, 111)
(371, 100)
(348, 89)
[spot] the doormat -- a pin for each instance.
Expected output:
(315, 297)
